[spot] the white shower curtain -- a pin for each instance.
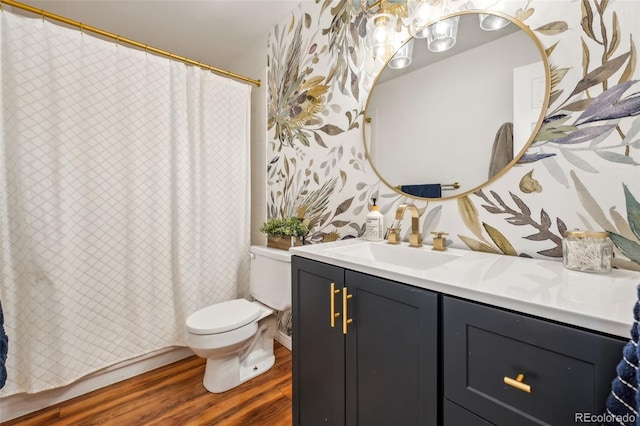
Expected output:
(124, 206)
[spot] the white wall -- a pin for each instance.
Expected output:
(253, 64)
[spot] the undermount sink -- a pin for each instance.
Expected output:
(400, 255)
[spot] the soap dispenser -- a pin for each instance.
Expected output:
(374, 226)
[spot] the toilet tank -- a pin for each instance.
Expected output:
(270, 277)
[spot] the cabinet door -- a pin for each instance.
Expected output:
(391, 354)
(317, 348)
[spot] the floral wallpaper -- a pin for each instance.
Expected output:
(581, 171)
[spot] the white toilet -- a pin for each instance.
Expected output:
(236, 336)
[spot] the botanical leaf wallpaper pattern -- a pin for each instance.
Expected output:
(581, 171)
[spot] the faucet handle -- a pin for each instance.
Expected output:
(393, 235)
(439, 240)
(440, 234)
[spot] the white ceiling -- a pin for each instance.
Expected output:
(214, 32)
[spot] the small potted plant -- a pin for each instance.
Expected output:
(283, 233)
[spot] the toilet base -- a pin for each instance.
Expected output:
(224, 374)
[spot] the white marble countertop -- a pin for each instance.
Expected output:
(543, 288)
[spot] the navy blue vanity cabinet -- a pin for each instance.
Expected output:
(383, 371)
(512, 369)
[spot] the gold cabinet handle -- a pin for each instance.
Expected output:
(518, 383)
(334, 314)
(345, 317)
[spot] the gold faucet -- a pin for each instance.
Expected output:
(415, 237)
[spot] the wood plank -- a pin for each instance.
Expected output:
(46, 416)
(127, 395)
(174, 395)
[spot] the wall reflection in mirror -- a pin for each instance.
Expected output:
(462, 111)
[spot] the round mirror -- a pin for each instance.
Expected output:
(455, 120)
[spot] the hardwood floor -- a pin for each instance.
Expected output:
(173, 395)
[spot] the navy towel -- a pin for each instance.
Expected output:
(4, 347)
(622, 403)
(428, 190)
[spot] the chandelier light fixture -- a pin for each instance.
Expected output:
(394, 26)
(380, 35)
(490, 22)
(421, 13)
(442, 34)
(403, 49)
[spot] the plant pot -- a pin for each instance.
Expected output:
(283, 242)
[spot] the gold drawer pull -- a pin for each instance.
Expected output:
(345, 317)
(334, 314)
(518, 383)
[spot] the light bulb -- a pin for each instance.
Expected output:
(441, 27)
(380, 34)
(423, 12)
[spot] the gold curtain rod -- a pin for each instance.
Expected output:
(119, 39)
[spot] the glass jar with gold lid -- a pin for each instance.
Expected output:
(588, 251)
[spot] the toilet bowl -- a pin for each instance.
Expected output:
(236, 336)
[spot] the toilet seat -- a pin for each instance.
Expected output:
(222, 317)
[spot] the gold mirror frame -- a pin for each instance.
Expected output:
(517, 156)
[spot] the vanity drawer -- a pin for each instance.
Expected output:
(568, 370)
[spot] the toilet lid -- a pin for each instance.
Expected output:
(222, 317)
